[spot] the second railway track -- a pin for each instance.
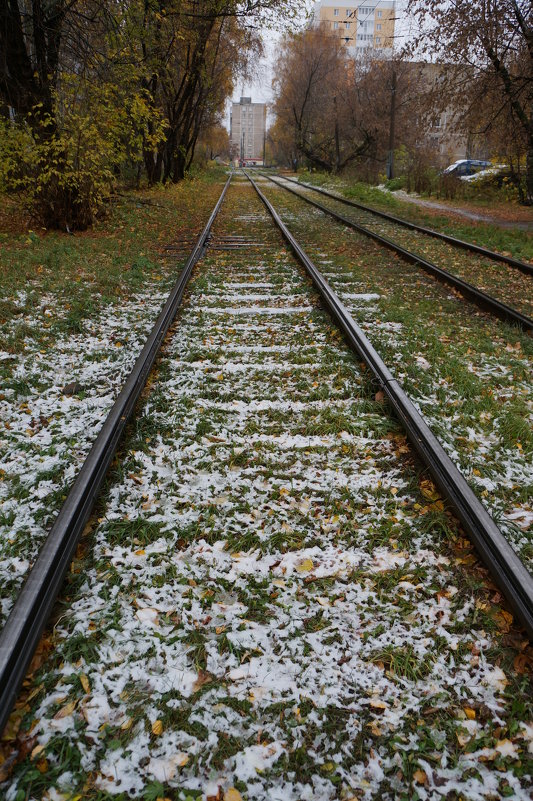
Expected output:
(483, 280)
(265, 608)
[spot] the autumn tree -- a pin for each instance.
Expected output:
(316, 99)
(193, 52)
(88, 86)
(489, 45)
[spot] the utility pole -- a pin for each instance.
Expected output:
(392, 131)
(264, 146)
(337, 142)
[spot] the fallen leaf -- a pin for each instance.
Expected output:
(157, 727)
(84, 681)
(305, 566)
(204, 677)
(65, 711)
(503, 619)
(420, 777)
(232, 795)
(36, 751)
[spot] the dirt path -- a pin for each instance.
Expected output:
(496, 218)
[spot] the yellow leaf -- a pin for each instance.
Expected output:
(429, 490)
(157, 727)
(36, 751)
(65, 711)
(127, 724)
(85, 683)
(463, 737)
(232, 795)
(305, 566)
(420, 777)
(470, 713)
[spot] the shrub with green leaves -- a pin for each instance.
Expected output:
(64, 166)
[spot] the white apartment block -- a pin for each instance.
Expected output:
(364, 25)
(247, 130)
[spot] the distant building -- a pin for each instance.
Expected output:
(247, 130)
(365, 26)
(444, 133)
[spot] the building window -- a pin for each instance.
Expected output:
(380, 13)
(378, 40)
(347, 26)
(335, 12)
(335, 25)
(378, 27)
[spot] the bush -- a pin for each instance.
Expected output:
(393, 184)
(64, 167)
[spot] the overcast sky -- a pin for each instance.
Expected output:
(260, 90)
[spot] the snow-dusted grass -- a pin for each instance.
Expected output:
(469, 374)
(45, 433)
(75, 312)
(273, 602)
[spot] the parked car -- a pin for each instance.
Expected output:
(496, 171)
(464, 168)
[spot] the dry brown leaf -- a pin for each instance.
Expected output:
(85, 683)
(503, 619)
(523, 663)
(420, 777)
(204, 677)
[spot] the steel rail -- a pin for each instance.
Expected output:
(481, 299)
(508, 571)
(22, 631)
(452, 240)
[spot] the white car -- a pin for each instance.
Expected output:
(495, 169)
(466, 168)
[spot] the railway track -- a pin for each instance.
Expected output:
(481, 298)
(524, 267)
(246, 495)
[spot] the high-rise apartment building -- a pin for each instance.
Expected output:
(247, 130)
(364, 25)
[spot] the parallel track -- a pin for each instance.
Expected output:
(452, 240)
(32, 609)
(477, 296)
